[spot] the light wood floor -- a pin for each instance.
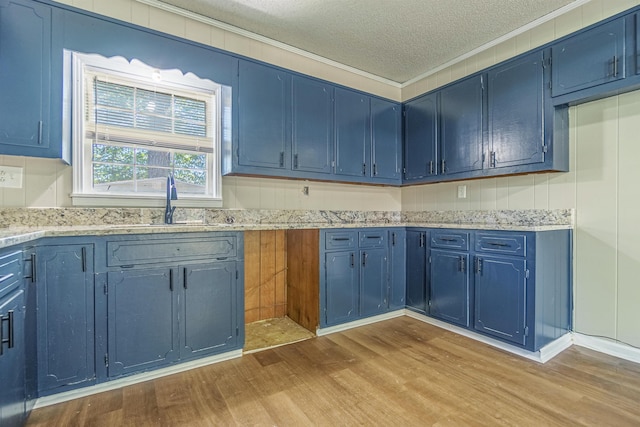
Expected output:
(400, 372)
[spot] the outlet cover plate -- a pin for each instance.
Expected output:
(10, 177)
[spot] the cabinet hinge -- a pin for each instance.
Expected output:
(526, 274)
(106, 360)
(545, 148)
(429, 303)
(526, 331)
(550, 85)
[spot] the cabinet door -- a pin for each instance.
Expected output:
(449, 299)
(417, 270)
(312, 125)
(374, 281)
(516, 112)
(263, 116)
(141, 320)
(386, 139)
(25, 72)
(589, 59)
(342, 289)
(421, 137)
(65, 315)
(210, 309)
(397, 268)
(12, 360)
(352, 133)
(461, 119)
(500, 298)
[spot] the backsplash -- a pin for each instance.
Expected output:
(47, 217)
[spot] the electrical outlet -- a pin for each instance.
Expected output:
(462, 191)
(305, 190)
(10, 177)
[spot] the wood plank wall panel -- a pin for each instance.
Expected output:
(265, 274)
(303, 287)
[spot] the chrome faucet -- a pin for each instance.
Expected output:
(172, 194)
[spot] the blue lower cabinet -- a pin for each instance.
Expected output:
(210, 309)
(64, 279)
(142, 308)
(374, 283)
(416, 270)
(342, 287)
(500, 297)
(449, 290)
(397, 268)
(12, 356)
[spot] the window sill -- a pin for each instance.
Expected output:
(97, 200)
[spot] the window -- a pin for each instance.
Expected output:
(133, 125)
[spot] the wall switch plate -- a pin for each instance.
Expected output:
(10, 177)
(462, 191)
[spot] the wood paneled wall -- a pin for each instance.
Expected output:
(303, 288)
(265, 274)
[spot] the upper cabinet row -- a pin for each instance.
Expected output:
(299, 127)
(508, 119)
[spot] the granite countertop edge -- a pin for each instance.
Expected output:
(19, 235)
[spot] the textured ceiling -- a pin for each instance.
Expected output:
(394, 39)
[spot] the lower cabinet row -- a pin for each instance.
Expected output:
(114, 308)
(513, 286)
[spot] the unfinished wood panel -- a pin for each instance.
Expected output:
(303, 276)
(265, 274)
(398, 372)
(251, 276)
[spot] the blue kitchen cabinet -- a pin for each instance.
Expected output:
(590, 58)
(312, 119)
(142, 308)
(386, 140)
(421, 137)
(210, 310)
(522, 286)
(64, 279)
(397, 268)
(30, 119)
(516, 112)
(12, 359)
(374, 271)
(263, 105)
(450, 286)
(462, 114)
(500, 297)
(417, 282)
(342, 287)
(352, 133)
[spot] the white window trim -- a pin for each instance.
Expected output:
(74, 66)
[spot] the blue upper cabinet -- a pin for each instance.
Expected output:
(264, 117)
(590, 58)
(312, 118)
(421, 133)
(386, 140)
(29, 126)
(461, 119)
(516, 97)
(352, 133)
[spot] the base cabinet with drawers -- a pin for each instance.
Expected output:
(510, 285)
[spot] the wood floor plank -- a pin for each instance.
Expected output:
(397, 372)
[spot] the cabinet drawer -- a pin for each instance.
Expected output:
(370, 239)
(450, 240)
(340, 239)
(10, 271)
(133, 252)
(514, 244)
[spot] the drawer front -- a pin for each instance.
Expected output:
(508, 244)
(340, 239)
(450, 240)
(10, 272)
(136, 252)
(371, 238)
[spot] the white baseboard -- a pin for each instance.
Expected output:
(134, 379)
(367, 321)
(607, 346)
(543, 355)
